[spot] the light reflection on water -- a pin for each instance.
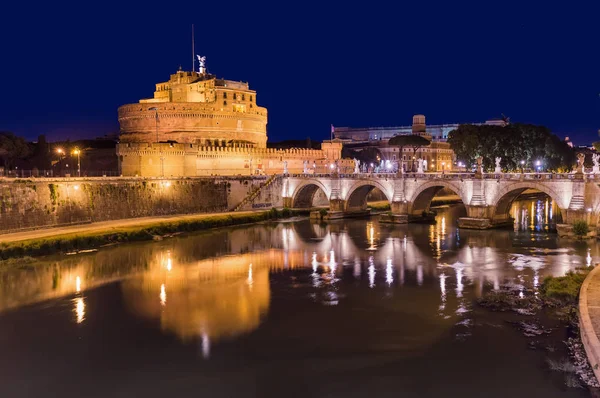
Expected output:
(187, 294)
(535, 214)
(215, 288)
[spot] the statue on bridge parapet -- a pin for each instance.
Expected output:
(285, 168)
(305, 167)
(356, 166)
(596, 160)
(420, 166)
(580, 167)
(498, 169)
(479, 169)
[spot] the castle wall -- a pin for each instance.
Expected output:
(174, 160)
(47, 202)
(197, 123)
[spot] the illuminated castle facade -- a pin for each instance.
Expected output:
(197, 124)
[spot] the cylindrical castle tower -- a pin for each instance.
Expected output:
(196, 108)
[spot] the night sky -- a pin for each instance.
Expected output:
(66, 68)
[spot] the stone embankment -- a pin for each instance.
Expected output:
(27, 204)
(589, 318)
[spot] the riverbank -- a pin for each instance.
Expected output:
(555, 306)
(92, 236)
(589, 318)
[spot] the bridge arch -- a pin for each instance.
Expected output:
(424, 194)
(506, 196)
(305, 192)
(356, 197)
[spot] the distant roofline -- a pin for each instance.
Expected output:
(344, 128)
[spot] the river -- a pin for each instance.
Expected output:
(352, 308)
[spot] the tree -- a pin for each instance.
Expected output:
(413, 141)
(40, 156)
(12, 148)
(366, 156)
(513, 143)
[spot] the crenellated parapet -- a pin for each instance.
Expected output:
(179, 159)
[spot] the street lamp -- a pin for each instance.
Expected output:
(522, 166)
(61, 153)
(77, 152)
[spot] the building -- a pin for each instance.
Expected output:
(197, 125)
(438, 156)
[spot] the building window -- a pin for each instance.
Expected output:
(224, 103)
(243, 97)
(234, 96)
(394, 157)
(250, 98)
(224, 95)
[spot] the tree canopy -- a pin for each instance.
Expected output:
(413, 141)
(12, 148)
(410, 140)
(513, 143)
(366, 155)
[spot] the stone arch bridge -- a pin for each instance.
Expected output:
(487, 198)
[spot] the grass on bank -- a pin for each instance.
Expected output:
(379, 206)
(561, 294)
(564, 290)
(90, 240)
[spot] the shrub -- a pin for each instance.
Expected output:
(581, 228)
(564, 288)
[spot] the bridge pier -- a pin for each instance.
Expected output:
(478, 217)
(487, 197)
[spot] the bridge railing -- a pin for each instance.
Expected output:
(453, 176)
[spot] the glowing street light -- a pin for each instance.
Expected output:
(522, 166)
(61, 154)
(77, 152)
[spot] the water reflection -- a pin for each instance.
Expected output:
(216, 285)
(535, 214)
(208, 299)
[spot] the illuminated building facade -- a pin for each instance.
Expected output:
(438, 156)
(199, 125)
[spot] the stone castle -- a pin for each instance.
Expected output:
(200, 125)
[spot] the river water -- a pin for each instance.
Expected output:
(353, 308)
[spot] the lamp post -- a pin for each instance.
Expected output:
(77, 152)
(522, 166)
(60, 152)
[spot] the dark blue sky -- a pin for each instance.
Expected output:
(67, 67)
